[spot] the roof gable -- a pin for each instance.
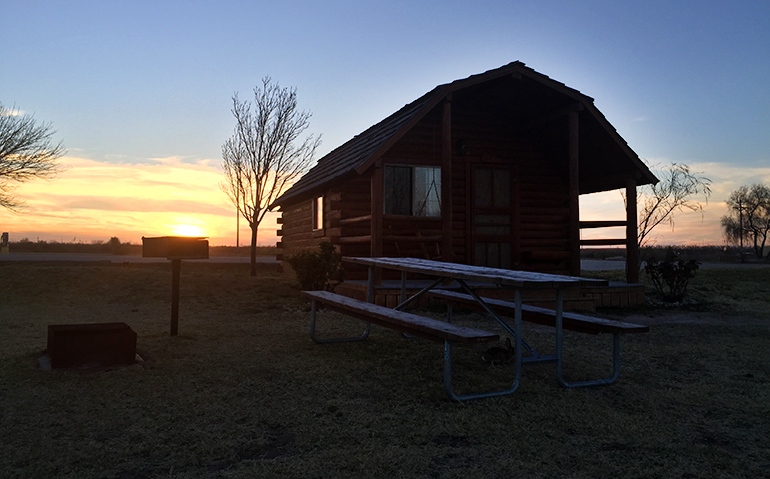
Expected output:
(360, 152)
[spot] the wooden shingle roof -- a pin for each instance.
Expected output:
(360, 152)
(351, 155)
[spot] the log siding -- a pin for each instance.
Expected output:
(552, 140)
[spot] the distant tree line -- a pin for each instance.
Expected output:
(706, 254)
(115, 246)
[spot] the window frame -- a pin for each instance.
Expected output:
(317, 213)
(412, 187)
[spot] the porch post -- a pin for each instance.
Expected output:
(632, 245)
(377, 212)
(447, 254)
(574, 193)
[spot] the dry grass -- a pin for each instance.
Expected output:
(243, 392)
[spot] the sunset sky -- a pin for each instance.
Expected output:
(140, 92)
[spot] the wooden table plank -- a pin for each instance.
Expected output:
(506, 277)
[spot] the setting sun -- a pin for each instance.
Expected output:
(187, 230)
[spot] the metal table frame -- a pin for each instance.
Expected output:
(517, 280)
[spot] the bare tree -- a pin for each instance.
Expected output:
(27, 151)
(749, 217)
(265, 154)
(673, 193)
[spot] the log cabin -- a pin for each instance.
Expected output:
(486, 170)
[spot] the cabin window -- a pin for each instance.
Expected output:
(412, 190)
(318, 213)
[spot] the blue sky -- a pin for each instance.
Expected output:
(134, 83)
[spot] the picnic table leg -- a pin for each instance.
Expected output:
(497, 317)
(402, 297)
(518, 362)
(560, 353)
(407, 302)
(418, 294)
(313, 314)
(370, 286)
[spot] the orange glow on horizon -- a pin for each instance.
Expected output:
(94, 201)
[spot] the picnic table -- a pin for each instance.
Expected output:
(453, 276)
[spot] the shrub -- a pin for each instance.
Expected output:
(114, 245)
(318, 270)
(671, 276)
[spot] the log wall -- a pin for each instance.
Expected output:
(541, 176)
(541, 185)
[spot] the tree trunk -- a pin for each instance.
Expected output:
(757, 249)
(254, 228)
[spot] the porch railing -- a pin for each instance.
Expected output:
(632, 270)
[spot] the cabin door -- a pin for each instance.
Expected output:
(493, 215)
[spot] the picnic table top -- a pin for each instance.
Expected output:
(504, 277)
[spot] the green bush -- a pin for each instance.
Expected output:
(671, 276)
(318, 270)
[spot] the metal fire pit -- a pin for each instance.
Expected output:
(99, 344)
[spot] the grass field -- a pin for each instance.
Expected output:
(243, 392)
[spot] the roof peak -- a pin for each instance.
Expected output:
(361, 150)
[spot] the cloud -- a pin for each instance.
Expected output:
(12, 111)
(727, 178)
(141, 205)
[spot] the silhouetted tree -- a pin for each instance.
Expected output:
(115, 245)
(748, 217)
(27, 151)
(659, 202)
(265, 156)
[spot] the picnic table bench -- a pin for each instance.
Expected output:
(408, 323)
(544, 316)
